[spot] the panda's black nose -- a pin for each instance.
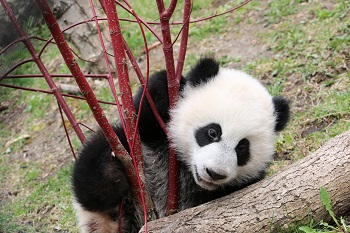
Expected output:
(214, 175)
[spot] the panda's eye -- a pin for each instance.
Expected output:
(208, 134)
(212, 133)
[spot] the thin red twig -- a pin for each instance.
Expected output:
(147, 65)
(147, 24)
(50, 92)
(86, 126)
(184, 38)
(55, 76)
(169, 12)
(16, 66)
(104, 52)
(220, 14)
(66, 131)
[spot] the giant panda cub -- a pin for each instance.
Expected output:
(222, 128)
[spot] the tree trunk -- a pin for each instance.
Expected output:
(84, 37)
(290, 195)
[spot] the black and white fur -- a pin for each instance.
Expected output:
(223, 130)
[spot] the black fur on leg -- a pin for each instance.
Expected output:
(128, 221)
(99, 179)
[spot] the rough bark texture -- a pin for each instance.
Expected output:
(290, 195)
(84, 37)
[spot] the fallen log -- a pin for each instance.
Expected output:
(290, 195)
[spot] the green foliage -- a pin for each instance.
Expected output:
(4, 133)
(37, 105)
(340, 227)
(326, 201)
(341, 41)
(52, 196)
(132, 31)
(277, 10)
(213, 26)
(225, 60)
(324, 14)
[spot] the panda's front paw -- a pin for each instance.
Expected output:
(101, 187)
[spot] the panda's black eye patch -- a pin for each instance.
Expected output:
(208, 134)
(242, 151)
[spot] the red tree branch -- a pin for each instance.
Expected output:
(90, 98)
(66, 131)
(100, 117)
(128, 118)
(143, 83)
(50, 92)
(55, 76)
(184, 39)
(173, 89)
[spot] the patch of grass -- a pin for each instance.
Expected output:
(132, 32)
(51, 198)
(304, 44)
(278, 10)
(4, 134)
(311, 226)
(335, 111)
(309, 129)
(216, 25)
(324, 14)
(37, 105)
(308, 68)
(340, 41)
(340, 225)
(226, 60)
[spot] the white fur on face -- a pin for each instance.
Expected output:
(243, 108)
(207, 158)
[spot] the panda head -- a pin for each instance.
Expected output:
(224, 125)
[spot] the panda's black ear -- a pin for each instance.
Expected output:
(203, 71)
(281, 112)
